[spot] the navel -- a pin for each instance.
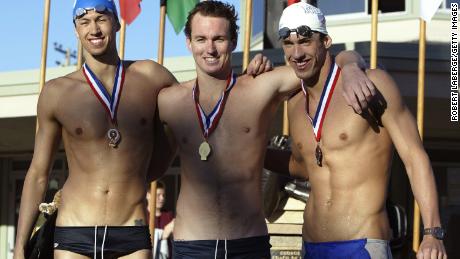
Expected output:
(184, 140)
(246, 129)
(143, 121)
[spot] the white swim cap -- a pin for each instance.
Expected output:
(300, 14)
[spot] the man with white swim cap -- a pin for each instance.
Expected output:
(347, 156)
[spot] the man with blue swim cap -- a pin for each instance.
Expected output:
(81, 7)
(104, 114)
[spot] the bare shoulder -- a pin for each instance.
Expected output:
(153, 72)
(62, 84)
(382, 80)
(56, 91)
(388, 94)
(143, 66)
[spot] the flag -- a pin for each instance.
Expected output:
(177, 11)
(289, 2)
(129, 10)
(428, 8)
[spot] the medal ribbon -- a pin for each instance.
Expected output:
(323, 105)
(110, 103)
(208, 123)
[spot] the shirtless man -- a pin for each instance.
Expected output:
(347, 157)
(220, 125)
(102, 207)
(108, 143)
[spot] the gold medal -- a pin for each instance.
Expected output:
(114, 137)
(204, 150)
(208, 123)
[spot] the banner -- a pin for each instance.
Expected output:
(129, 10)
(428, 8)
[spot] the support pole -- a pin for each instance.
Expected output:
(122, 39)
(375, 14)
(420, 110)
(46, 20)
(247, 34)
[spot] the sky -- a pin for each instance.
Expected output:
(21, 24)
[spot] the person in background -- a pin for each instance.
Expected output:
(164, 224)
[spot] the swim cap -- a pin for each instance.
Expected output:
(80, 7)
(303, 14)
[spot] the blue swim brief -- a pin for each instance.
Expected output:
(351, 249)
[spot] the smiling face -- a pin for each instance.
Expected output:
(97, 32)
(306, 55)
(211, 45)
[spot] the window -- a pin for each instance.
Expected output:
(388, 6)
(331, 7)
(446, 4)
(258, 17)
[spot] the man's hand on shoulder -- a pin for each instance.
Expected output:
(259, 65)
(358, 89)
(431, 248)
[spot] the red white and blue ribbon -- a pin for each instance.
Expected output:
(110, 102)
(208, 123)
(323, 105)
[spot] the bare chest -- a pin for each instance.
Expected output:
(240, 120)
(338, 130)
(82, 115)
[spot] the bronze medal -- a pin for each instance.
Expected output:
(204, 150)
(109, 102)
(114, 137)
(319, 155)
(321, 109)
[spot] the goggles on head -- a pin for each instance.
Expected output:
(302, 30)
(98, 8)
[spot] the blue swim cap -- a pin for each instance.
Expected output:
(80, 7)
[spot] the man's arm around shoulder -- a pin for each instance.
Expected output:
(35, 184)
